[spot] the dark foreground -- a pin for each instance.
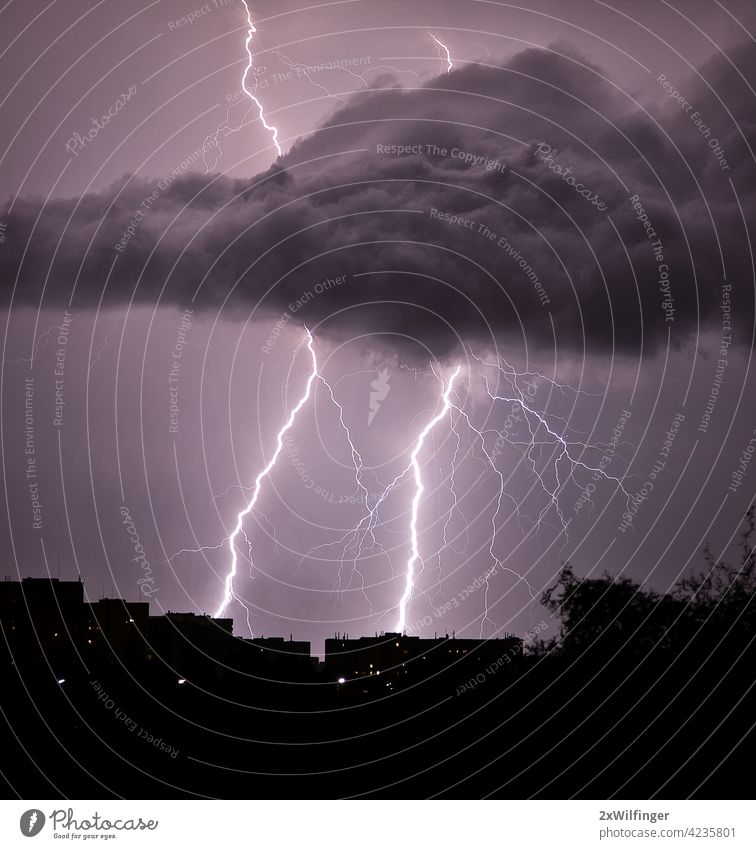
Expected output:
(642, 695)
(592, 727)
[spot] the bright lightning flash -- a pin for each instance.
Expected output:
(229, 586)
(535, 421)
(539, 434)
(415, 551)
(250, 32)
(442, 46)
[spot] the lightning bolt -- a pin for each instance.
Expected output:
(303, 69)
(224, 129)
(238, 529)
(392, 68)
(535, 433)
(261, 112)
(416, 373)
(32, 820)
(414, 548)
(41, 340)
(455, 505)
(361, 539)
(233, 538)
(442, 46)
(101, 350)
(536, 421)
(497, 563)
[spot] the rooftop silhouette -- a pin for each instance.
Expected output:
(623, 692)
(49, 625)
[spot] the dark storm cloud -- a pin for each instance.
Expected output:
(368, 201)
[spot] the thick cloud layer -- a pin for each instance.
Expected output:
(469, 207)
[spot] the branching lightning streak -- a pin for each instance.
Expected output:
(391, 68)
(442, 46)
(497, 563)
(454, 508)
(357, 462)
(261, 112)
(359, 372)
(536, 420)
(224, 129)
(416, 373)
(101, 350)
(304, 70)
(41, 339)
(229, 589)
(415, 550)
(252, 505)
(212, 142)
(361, 538)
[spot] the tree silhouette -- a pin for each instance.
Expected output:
(617, 615)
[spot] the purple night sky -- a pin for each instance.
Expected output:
(572, 200)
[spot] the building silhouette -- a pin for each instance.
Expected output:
(47, 623)
(50, 629)
(397, 657)
(99, 694)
